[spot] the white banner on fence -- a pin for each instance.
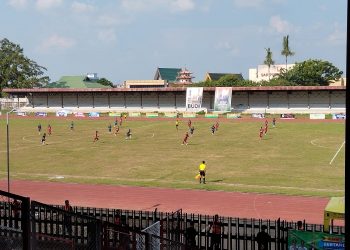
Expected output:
(223, 96)
(317, 116)
(194, 98)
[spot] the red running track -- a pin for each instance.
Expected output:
(231, 204)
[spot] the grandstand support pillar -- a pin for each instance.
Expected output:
(288, 94)
(330, 99)
(93, 99)
(32, 100)
(158, 100)
(77, 100)
(268, 100)
(47, 100)
(175, 100)
(124, 100)
(248, 100)
(62, 100)
(211, 101)
(308, 99)
(141, 100)
(109, 99)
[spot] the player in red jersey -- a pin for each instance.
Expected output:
(49, 129)
(184, 142)
(189, 123)
(96, 136)
(266, 126)
(261, 133)
(216, 126)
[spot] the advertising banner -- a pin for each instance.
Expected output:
(223, 96)
(211, 115)
(194, 98)
(43, 114)
(94, 114)
(317, 116)
(170, 115)
(315, 240)
(21, 113)
(152, 115)
(338, 116)
(189, 115)
(258, 115)
(233, 116)
(62, 113)
(287, 116)
(135, 114)
(79, 114)
(114, 114)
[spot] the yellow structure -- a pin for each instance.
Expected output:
(335, 209)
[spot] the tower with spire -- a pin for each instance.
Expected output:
(184, 76)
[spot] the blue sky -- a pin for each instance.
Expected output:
(128, 39)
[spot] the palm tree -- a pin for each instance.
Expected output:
(268, 60)
(286, 51)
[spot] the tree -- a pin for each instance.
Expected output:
(286, 51)
(312, 73)
(268, 60)
(105, 82)
(18, 71)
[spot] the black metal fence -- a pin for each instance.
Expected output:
(34, 225)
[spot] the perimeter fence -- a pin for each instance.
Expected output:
(26, 224)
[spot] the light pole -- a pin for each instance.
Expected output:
(8, 148)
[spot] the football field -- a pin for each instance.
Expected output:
(292, 158)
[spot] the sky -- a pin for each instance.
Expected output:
(128, 39)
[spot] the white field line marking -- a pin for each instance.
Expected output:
(330, 163)
(313, 142)
(182, 182)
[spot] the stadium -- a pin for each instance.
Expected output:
(281, 180)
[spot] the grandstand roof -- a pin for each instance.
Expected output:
(74, 82)
(217, 76)
(167, 74)
(174, 89)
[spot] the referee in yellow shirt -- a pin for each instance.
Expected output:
(202, 167)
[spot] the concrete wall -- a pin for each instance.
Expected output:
(252, 102)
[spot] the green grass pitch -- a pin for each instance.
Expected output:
(293, 158)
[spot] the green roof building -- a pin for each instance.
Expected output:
(217, 76)
(168, 74)
(76, 82)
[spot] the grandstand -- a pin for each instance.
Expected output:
(283, 99)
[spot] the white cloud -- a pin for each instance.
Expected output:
(227, 46)
(18, 4)
(183, 5)
(56, 42)
(248, 3)
(337, 36)
(147, 5)
(107, 20)
(79, 7)
(280, 25)
(107, 35)
(47, 4)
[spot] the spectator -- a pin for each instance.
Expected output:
(67, 218)
(300, 225)
(124, 235)
(263, 239)
(216, 233)
(16, 207)
(190, 235)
